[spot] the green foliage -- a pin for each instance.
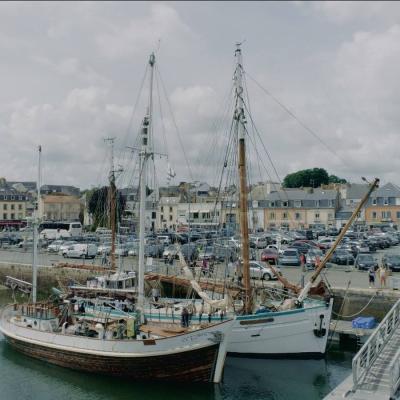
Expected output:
(336, 179)
(98, 206)
(307, 177)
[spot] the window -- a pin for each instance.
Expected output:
(297, 203)
(272, 204)
(4, 206)
(19, 206)
(153, 215)
(374, 215)
(285, 215)
(4, 216)
(162, 209)
(12, 216)
(374, 201)
(272, 215)
(297, 216)
(170, 209)
(316, 216)
(170, 217)
(12, 206)
(285, 204)
(386, 201)
(386, 214)
(398, 214)
(196, 215)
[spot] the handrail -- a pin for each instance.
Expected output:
(394, 370)
(367, 355)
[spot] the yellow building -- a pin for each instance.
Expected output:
(60, 207)
(12, 207)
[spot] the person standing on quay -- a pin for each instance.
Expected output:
(371, 277)
(382, 275)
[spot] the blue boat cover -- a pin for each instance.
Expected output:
(364, 323)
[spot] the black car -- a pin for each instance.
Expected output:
(302, 247)
(391, 261)
(342, 257)
(365, 262)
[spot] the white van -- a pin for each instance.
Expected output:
(80, 250)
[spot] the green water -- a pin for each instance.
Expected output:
(24, 378)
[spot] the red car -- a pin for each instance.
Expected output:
(270, 256)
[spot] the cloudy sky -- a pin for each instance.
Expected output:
(71, 74)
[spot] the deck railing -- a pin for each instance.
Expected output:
(367, 355)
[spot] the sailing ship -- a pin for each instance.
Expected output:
(296, 327)
(123, 344)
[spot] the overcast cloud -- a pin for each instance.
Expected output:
(71, 72)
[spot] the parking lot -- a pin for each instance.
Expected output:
(337, 275)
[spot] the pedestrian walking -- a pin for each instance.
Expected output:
(371, 277)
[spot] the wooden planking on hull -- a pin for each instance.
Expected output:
(190, 366)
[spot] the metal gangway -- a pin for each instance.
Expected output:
(376, 367)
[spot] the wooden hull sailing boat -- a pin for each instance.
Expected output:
(196, 356)
(298, 326)
(123, 345)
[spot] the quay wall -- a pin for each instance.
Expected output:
(348, 303)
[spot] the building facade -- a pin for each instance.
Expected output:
(60, 207)
(383, 206)
(299, 209)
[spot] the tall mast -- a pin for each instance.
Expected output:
(240, 137)
(112, 202)
(145, 153)
(36, 221)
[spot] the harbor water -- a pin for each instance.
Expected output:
(24, 378)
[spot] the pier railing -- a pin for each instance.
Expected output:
(367, 355)
(394, 369)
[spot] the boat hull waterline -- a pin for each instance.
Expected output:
(192, 357)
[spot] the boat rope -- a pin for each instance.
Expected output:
(358, 312)
(340, 311)
(297, 119)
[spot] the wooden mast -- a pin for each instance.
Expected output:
(112, 204)
(240, 136)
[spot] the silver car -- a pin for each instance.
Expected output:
(290, 256)
(261, 271)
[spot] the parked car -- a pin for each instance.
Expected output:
(391, 261)
(189, 251)
(54, 247)
(342, 257)
(79, 250)
(270, 256)
(313, 256)
(207, 253)
(365, 262)
(170, 251)
(290, 256)
(104, 248)
(302, 247)
(260, 271)
(258, 242)
(65, 246)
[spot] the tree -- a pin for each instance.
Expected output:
(307, 177)
(98, 206)
(336, 179)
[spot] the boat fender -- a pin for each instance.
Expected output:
(320, 332)
(64, 325)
